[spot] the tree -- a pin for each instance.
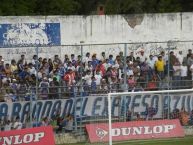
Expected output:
(169, 6)
(57, 7)
(87, 7)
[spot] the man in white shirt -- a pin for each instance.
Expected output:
(87, 77)
(17, 125)
(87, 59)
(98, 78)
(180, 57)
(184, 74)
(151, 62)
(8, 125)
(176, 76)
(142, 56)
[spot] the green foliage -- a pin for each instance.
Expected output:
(86, 7)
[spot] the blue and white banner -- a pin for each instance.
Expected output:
(97, 106)
(29, 34)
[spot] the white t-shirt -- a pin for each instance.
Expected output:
(180, 58)
(130, 72)
(151, 63)
(17, 125)
(98, 79)
(8, 127)
(32, 71)
(176, 70)
(191, 68)
(142, 57)
(184, 71)
(88, 79)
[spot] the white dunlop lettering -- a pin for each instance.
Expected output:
(7, 140)
(126, 131)
(38, 136)
(28, 138)
(157, 129)
(116, 132)
(147, 130)
(18, 140)
(167, 128)
(137, 130)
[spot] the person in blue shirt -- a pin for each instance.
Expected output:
(111, 61)
(94, 62)
(93, 84)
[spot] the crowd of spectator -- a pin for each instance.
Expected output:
(93, 74)
(185, 118)
(59, 124)
(96, 73)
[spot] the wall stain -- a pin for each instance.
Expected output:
(134, 20)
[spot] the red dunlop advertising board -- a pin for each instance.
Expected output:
(31, 136)
(135, 130)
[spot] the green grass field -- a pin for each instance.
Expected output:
(174, 141)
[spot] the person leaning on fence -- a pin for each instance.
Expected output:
(69, 124)
(184, 116)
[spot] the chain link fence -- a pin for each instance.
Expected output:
(95, 70)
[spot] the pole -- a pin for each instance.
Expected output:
(125, 67)
(31, 103)
(125, 80)
(37, 69)
(110, 121)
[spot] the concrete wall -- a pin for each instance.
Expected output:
(70, 30)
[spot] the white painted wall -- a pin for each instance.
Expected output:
(109, 29)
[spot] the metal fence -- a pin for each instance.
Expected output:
(122, 56)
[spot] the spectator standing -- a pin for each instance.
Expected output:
(151, 62)
(160, 67)
(69, 124)
(131, 57)
(184, 116)
(13, 67)
(184, 73)
(176, 76)
(86, 59)
(180, 57)
(17, 125)
(98, 77)
(44, 88)
(8, 125)
(142, 56)
(103, 57)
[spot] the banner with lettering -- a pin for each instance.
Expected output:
(97, 106)
(29, 136)
(135, 130)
